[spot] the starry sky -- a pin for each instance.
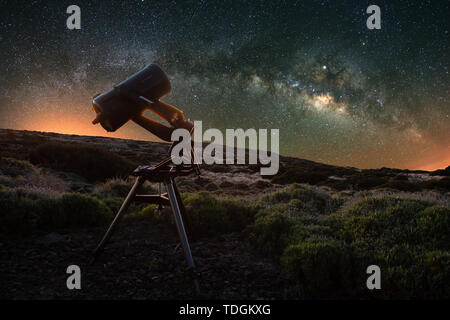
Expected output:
(339, 93)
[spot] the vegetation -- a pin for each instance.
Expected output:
(21, 215)
(209, 216)
(325, 246)
(341, 178)
(91, 162)
(323, 238)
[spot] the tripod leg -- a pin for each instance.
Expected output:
(186, 219)
(122, 210)
(181, 232)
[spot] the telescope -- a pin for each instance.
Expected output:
(128, 101)
(131, 98)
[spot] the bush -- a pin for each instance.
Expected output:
(14, 168)
(206, 214)
(270, 233)
(414, 273)
(50, 214)
(20, 216)
(239, 214)
(381, 221)
(150, 213)
(17, 215)
(209, 216)
(324, 269)
(91, 162)
(433, 227)
(408, 239)
(18, 173)
(308, 200)
(119, 188)
(327, 257)
(434, 278)
(113, 188)
(113, 204)
(83, 211)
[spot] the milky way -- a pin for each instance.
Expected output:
(338, 92)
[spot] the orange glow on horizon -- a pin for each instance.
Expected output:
(73, 123)
(439, 159)
(438, 164)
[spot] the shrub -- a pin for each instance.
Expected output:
(380, 221)
(270, 233)
(209, 216)
(14, 168)
(20, 216)
(113, 204)
(19, 173)
(91, 162)
(17, 215)
(434, 278)
(151, 213)
(239, 214)
(120, 188)
(308, 200)
(84, 211)
(50, 214)
(407, 238)
(112, 188)
(433, 227)
(206, 214)
(414, 273)
(323, 269)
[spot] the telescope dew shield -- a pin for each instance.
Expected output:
(122, 103)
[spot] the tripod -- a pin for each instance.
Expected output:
(163, 172)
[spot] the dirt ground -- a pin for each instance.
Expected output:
(142, 261)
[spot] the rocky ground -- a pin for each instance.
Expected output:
(142, 261)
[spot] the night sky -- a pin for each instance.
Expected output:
(339, 93)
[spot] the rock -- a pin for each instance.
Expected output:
(52, 238)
